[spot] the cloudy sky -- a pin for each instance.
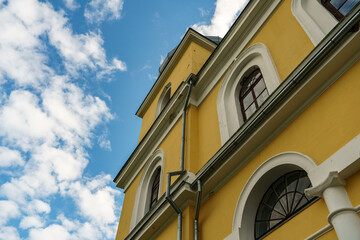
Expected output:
(72, 75)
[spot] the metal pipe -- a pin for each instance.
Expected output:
(280, 96)
(190, 82)
(171, 202)
(196, 224)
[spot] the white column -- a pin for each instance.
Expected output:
(342, 215)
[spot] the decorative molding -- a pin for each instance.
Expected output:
(228, 106)
(345, 161)
(258, 183)
(314, 18)
(162, 213)
(141, 203)
(333, 180)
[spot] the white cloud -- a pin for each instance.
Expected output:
(203, 12)
(48, 233)
(9, 233)
(48, 121)
(9, 157)
(71, 4)
(95, 199)
(226, 11)
(23, 53)
(99, 10)
(37, 206)
(31, 222)
(8, 210)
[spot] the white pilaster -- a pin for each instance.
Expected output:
(342, 215)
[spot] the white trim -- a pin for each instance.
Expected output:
(345, 161)
(141, 204)
(228, 107)
(163, 99)
(314, 18)
(258, 183)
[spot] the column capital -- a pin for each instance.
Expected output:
(332, 180)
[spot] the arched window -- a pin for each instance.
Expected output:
(155, 183)
(283, 199)
(339, 8)
(150, 185)
(163, 99)
(253, 93)
(282, 173)
(229, 109)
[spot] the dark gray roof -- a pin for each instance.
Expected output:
(214, 39)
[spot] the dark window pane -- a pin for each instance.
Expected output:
(280, 202)
(252, 94)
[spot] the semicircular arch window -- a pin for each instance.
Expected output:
(284, 198)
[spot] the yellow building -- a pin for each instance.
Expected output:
(253, 137)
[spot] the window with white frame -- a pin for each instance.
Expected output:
(250, 80)
(253, 92)
(272, 195)
(149, 188)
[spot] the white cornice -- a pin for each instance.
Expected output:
(190, 36)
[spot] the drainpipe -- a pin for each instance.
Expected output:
(176, 208)
(196, 227)
(190, 82)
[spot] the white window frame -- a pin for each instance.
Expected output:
(257, 185)
(142, 199)
(314, 18)
(228, 105)
(163, 99)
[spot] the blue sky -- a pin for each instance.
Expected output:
(72, 75)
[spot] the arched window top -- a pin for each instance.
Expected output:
(283, 199)
(253, 92)
(163, 99)
(339, 8)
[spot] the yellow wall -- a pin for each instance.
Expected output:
(191, 62)
(127, 209)
(318, 132)
(170, 232)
